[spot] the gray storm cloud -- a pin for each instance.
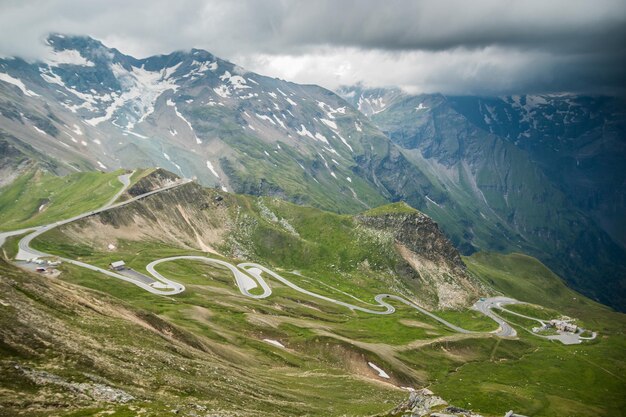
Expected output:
(457, 47)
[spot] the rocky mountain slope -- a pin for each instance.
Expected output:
(91, 107)
(391, 247)
(536, 174)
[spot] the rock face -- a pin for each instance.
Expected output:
(422, 403)
(188, 216)
(95, 391)
(155, 180)
(419, 234)
(430, 253)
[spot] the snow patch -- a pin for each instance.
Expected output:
(432, 201)
(141, 90)
(381, 373)
(18, 83)
(265, 117)
(134, 134)
(39, 130)
(368, 105)
(329, 123)
(274, 342)
(210, 166)
(305, 132)
(321, 138)
(330, 112)
(345, 142)
(180, 116)
(236, 81)
(67, 57)
(280, 122)
(222, 91)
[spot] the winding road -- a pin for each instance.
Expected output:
(248, 276)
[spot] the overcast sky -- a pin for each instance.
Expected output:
(450, 46)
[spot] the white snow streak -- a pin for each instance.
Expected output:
(67, 57)
(213, 171)
(18, 83)
(274, 342)
(381, 373)
(172, 104)
(329, 123)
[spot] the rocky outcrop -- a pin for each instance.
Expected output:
(418, 233)
(187, 216)
(158, 178)
(438, 264)
(423, 402)
(92, 390)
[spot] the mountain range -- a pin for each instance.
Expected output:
(534, 174)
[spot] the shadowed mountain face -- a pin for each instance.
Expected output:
(539, 174)
(90, 107)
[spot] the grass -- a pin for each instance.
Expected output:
(394, 208)
(535, 311)
(468, 320)
(176, 361)
(544, 378)
(530, 375)
(10, 247)
(58, 197)
(526, 279)
(215, 334)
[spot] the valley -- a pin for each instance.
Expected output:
(314, 321)
(407, 209)
(479, 167)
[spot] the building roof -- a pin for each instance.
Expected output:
(117, 264)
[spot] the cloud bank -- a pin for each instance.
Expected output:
(455, 46)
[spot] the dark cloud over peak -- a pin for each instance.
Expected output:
(454, 46)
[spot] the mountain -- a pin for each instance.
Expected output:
(88, 107)
(538, 174)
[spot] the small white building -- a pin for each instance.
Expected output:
(117, 265)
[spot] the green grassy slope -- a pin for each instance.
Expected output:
(58, 197)
(537, 377)
(205, 347)
(527, 279)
